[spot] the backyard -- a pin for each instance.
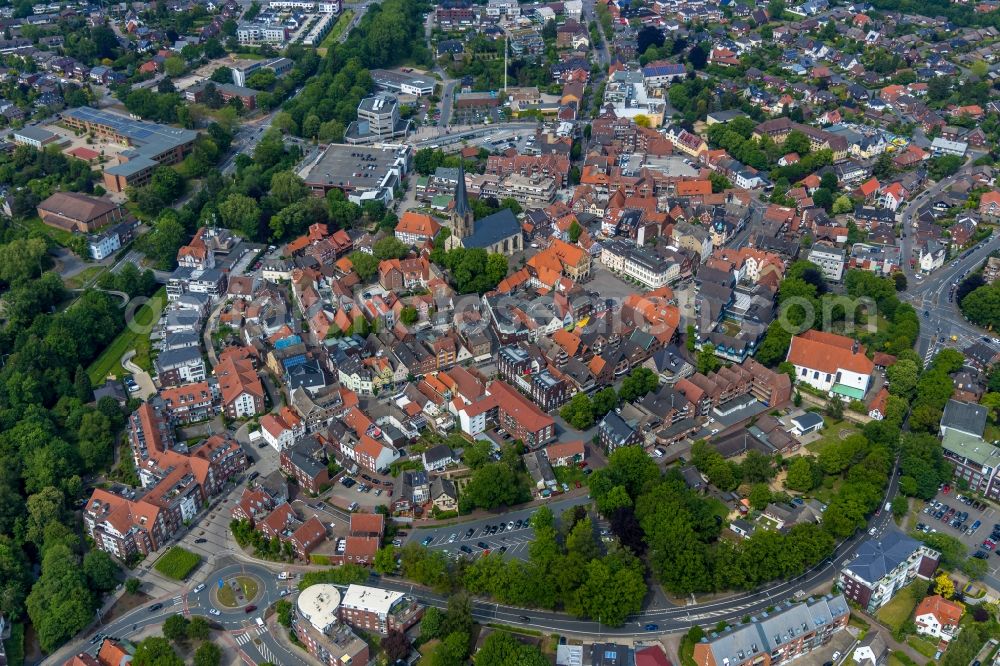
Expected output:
(899, 610)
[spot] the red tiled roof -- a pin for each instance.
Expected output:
(828, 353)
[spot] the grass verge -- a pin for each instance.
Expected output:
(109, 362)
(338, 29)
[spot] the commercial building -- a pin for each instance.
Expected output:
(362, 173)
(72, 211)
(830, 362)
(150, 145)
(776, 637)
(529, 191)
(33, 136)
(640, 263)
(227, 91)
(378, 120)
(404, 83)
(315, 625)
(830, 260)
(884, 566)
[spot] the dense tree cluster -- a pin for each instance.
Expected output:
(36, 174)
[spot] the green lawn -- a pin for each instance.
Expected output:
(109, 362)
(922, 645)
(60, 236)
(338, 29)
(831, 434)
(900, 608)
(177, 563)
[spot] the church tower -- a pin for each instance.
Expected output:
(461, 215)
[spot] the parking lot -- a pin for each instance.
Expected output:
(450, 539)
(987, 516)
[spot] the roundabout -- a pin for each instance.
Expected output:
(236, 592)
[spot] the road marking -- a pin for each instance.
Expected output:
(243, 639)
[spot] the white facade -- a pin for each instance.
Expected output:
(830, 261)
(244, 405)
(471, 424)
(929, 625)
(824, 381)
(104, 246)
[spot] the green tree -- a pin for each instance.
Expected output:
(574, 231)
(198, 629)
(100, 570)
(802, 474)
(579, 411)
(842, 204)
(287, 188)
(155, 651)
(60, 603)
(207, 654)
(385, 560)
(502, 649)
(175, 628)
(390, 247)
(240, 213)
(707, 361)
(409, 315)
(760, 495)
(365, 264)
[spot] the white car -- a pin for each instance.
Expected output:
(452, 538)
(198, 588)
(214, 611)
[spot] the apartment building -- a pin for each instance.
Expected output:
(885, 565)
(377, 610)
(776, 637)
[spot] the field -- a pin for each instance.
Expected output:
(177, 563)
(895, 613)
(109, 362)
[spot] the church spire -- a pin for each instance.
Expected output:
(462, 214)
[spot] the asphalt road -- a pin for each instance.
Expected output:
(943, 317)
(256, 644)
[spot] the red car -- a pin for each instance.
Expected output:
(946, 490)
(249, 609)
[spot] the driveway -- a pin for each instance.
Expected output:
(142, 378)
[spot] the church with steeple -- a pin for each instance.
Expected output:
(497, 233)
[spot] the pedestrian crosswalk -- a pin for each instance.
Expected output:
(178, 599)
(250, 634)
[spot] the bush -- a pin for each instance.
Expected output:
(177, 563)
(342, 575)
